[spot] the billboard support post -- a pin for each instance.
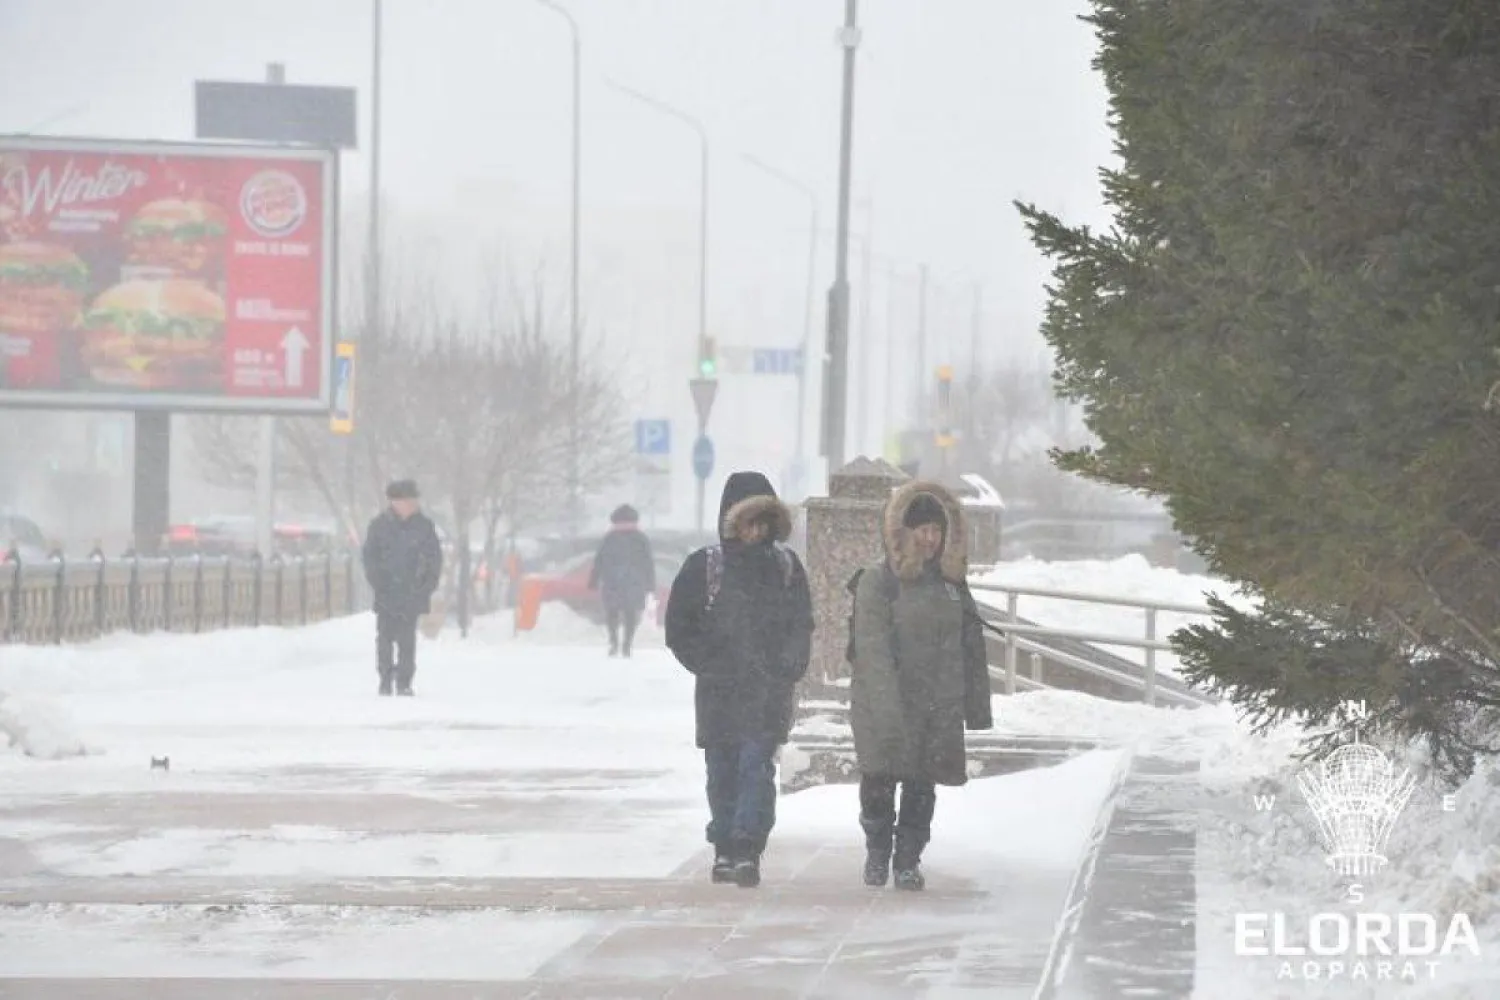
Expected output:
(153, 475)
(265, 465)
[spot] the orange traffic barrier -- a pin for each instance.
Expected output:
(528, 604)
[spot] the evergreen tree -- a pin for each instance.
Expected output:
(1291, 335)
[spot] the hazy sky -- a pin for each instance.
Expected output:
(962, 106)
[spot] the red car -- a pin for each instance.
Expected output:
(570, 585)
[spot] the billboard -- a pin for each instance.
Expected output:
(166, 276)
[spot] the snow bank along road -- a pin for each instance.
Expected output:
(529, 825)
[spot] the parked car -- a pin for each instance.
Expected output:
(570, 585)
(235, 536)
(21, 537)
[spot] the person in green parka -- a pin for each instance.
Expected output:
(920, 678)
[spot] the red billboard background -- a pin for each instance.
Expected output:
(174, 276)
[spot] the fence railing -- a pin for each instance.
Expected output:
(62, 600)
(1025, 637)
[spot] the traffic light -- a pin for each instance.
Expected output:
(945, 436)
(708, 358)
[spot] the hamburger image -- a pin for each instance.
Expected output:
(184, 238)
(41, 288)
(166, 334)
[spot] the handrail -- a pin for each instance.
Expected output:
(1097, 638)
(1087, 598)
(1151, 644)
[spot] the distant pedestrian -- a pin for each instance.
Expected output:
(624, 574)
(920, 677)
(403, 562)
(740, 619)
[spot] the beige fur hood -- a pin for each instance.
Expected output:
(899, 546)
(752, 509)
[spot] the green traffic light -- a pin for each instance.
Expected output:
(706, 367)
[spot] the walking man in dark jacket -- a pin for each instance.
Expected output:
(403, 562)
(740, 619)
(624, 573)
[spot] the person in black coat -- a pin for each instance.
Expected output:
(403, 562)
(624, 573)
(740, 619)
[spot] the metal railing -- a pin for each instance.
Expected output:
(62, 600)
(1019, 637)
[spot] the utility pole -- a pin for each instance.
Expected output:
(836, 393)
(921, 414)
(574, 330)
(705, 355)
(866, 348)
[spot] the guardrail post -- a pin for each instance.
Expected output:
(228, 585)
(302, 586)
(1036, 667)
(13, 617)
(166, 596)
(59, 597)
(1012, 603)
(101, 592)
(198, 592)
(260, 586)
(1150, 657)
(280, 565)
(328, 584)
(133, 591)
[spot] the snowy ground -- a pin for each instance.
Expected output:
(536, 812)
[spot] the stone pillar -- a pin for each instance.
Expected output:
(843, 534)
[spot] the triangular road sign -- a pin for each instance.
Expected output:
(704, 390)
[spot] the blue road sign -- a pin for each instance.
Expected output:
(653, 437)
(703, 458)
(776, 360)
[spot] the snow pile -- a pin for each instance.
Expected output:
(39, 728)
(1129, 578)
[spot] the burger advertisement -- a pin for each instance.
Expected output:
(165, 276)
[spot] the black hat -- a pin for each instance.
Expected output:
(925, 509)
(402, 489)
(624, 514)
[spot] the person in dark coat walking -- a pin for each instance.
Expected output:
(624, 573)
(740, 619)
(920, 677)
(403, 562)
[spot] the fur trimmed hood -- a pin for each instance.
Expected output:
(900, 548)
(756, 508)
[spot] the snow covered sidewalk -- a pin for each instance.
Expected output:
(529, 825)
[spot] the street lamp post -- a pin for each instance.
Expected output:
(835, 399)
(574, 329)
(697, 126)
(807, 320)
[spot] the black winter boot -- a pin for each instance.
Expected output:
(877, 852)
(746, 866)
(722, 873)
(385, 684)
(908, 862)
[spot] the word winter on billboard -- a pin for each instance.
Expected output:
(71, 185)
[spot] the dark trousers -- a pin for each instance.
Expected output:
(614, 617)
(396, 648)
(910, 829)
(741, 795)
